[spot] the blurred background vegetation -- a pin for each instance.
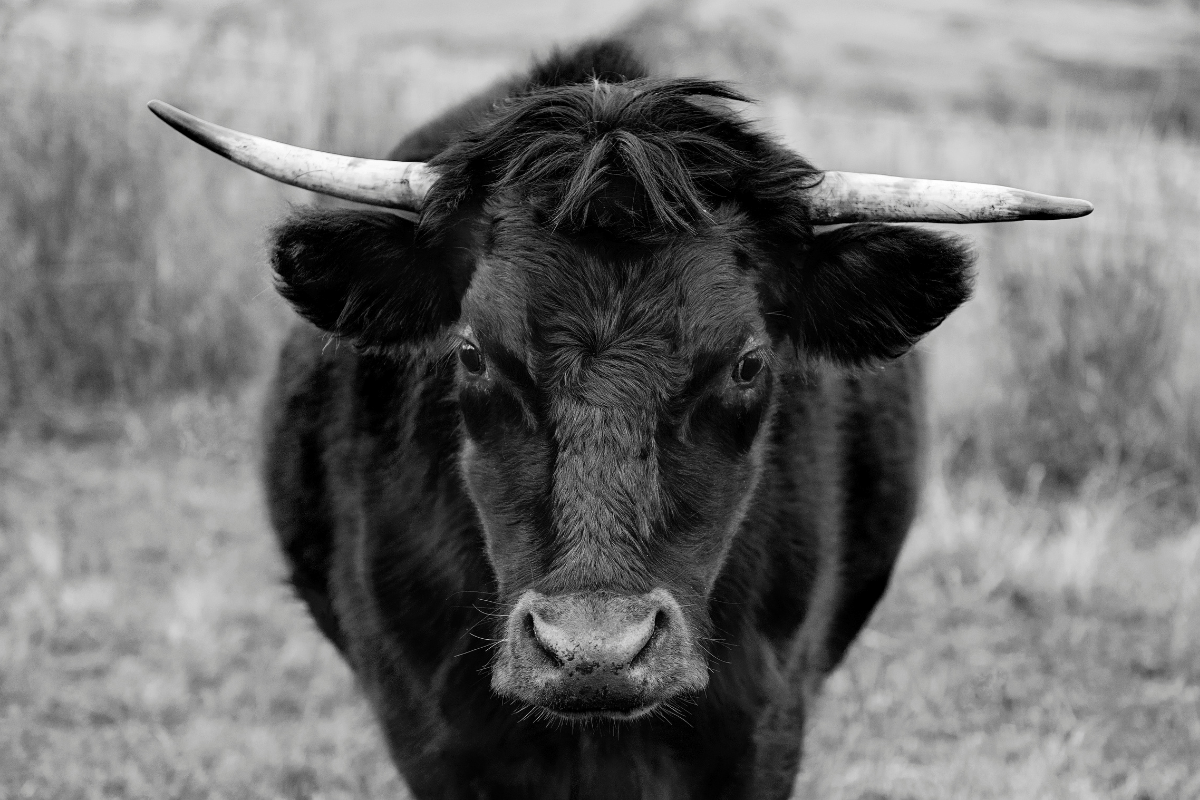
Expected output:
(136, 314)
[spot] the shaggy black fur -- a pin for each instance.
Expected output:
(648, 158)
(609, 247)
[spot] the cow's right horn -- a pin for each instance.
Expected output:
(391, 184)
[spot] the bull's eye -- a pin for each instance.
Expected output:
(748, 367)
(471, 358)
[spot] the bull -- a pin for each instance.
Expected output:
(615, 450)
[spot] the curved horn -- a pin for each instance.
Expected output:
(392, 184)
(860, 197)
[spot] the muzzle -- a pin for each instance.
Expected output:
(598, 654)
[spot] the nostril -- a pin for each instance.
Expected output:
(658, 629)
(530, 627)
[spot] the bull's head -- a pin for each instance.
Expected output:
(629, 283)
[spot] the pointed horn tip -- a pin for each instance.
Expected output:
(1059, 208)
(206, 134)
(161, 110)
(1081, 208)
(173, 116)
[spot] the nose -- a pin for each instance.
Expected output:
(589, 654)
(606, 640)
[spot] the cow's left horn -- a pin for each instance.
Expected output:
(859, 197)
(391, 184)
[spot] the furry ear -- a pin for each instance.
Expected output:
(870, 292)
(360, 275)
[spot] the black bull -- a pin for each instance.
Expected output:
(616, 455)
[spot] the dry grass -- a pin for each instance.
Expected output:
(148, 647)
(1023, 653)
(1042, 636)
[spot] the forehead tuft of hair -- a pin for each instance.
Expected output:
(639, 158)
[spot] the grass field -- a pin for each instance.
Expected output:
(1042, 637)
